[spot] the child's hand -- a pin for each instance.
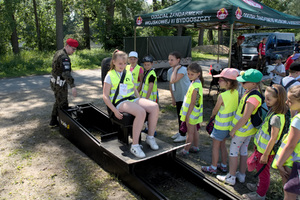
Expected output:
(232, 133)
(263, 159)
(173, 102)
(283, 172)
(118, 114)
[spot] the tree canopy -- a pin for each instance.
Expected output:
(32, 24)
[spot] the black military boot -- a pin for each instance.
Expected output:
(53, 123)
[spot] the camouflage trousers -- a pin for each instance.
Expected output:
(61, 97)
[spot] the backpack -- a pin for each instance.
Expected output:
(285, 130)
(288, 84)
(262, 110)
(258, 47)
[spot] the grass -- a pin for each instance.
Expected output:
(39, 63)
(205, 56)
(32, 62)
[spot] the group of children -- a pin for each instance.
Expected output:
(232, 116)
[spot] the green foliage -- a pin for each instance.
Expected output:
(38, 63)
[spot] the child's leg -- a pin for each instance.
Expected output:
(224, 153)
(153, 110)
(244, 155)
(264, 177)
(190, 136)
(233, 154)
(196, 137)
(215, 152)
(138, 122)
(178, 108)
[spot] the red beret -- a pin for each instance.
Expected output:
(73, 43)
(241, 37)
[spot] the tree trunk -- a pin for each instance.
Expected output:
(210, 35)
(163, 2)
(9, 11)
(59, 25)
(200, 36)
(179, 30)
(14, 37)
(86, 28)
(110, 8)
(37, 26)
(154, 5)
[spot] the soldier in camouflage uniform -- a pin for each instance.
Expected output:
(236, 53)
(61, 78)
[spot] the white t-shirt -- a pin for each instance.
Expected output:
(276, 78)
(288, 79)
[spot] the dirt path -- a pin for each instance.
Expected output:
(36, 162)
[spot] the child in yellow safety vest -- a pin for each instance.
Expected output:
(223, 113)
(192, 109)
(127, 100)
(136, 70)
(243, 129)
(264, 140)
(148, 86)
(288, 154)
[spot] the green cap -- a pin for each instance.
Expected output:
(251, 75)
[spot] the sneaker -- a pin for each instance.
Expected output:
(175, 136)
(53, 123)
(209, 169)
(221, 168)
(152, 143)
(180, 139)
(194, 149)
(241, 177)
(137, 151)
(252, 187)
(253, 196)
(183, 153)
(227, 179)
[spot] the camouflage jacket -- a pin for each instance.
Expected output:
(61, 66)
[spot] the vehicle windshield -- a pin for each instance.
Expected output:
(253, 40)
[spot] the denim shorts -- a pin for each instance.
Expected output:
(219, 134)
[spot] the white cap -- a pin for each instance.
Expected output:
(133, 54)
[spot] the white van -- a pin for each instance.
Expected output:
(277, 43)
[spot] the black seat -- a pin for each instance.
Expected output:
(124, 125)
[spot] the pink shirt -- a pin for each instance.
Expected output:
(140, 72)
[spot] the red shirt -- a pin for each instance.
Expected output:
(262, 48)
(288, 63)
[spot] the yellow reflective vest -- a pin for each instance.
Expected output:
(248, 129)
(295, 156)
(115, 80)
(196, 115)
(145, 86)
(263, 136)
(135, 73)
(223, 120)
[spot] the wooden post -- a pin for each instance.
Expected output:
(230, 45)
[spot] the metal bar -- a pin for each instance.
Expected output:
(230, 45)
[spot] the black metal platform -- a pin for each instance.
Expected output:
(90, 129)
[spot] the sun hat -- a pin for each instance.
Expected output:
(230, 73)
(133, 54)
(73, 43)
(251, 75)
(296, 56)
